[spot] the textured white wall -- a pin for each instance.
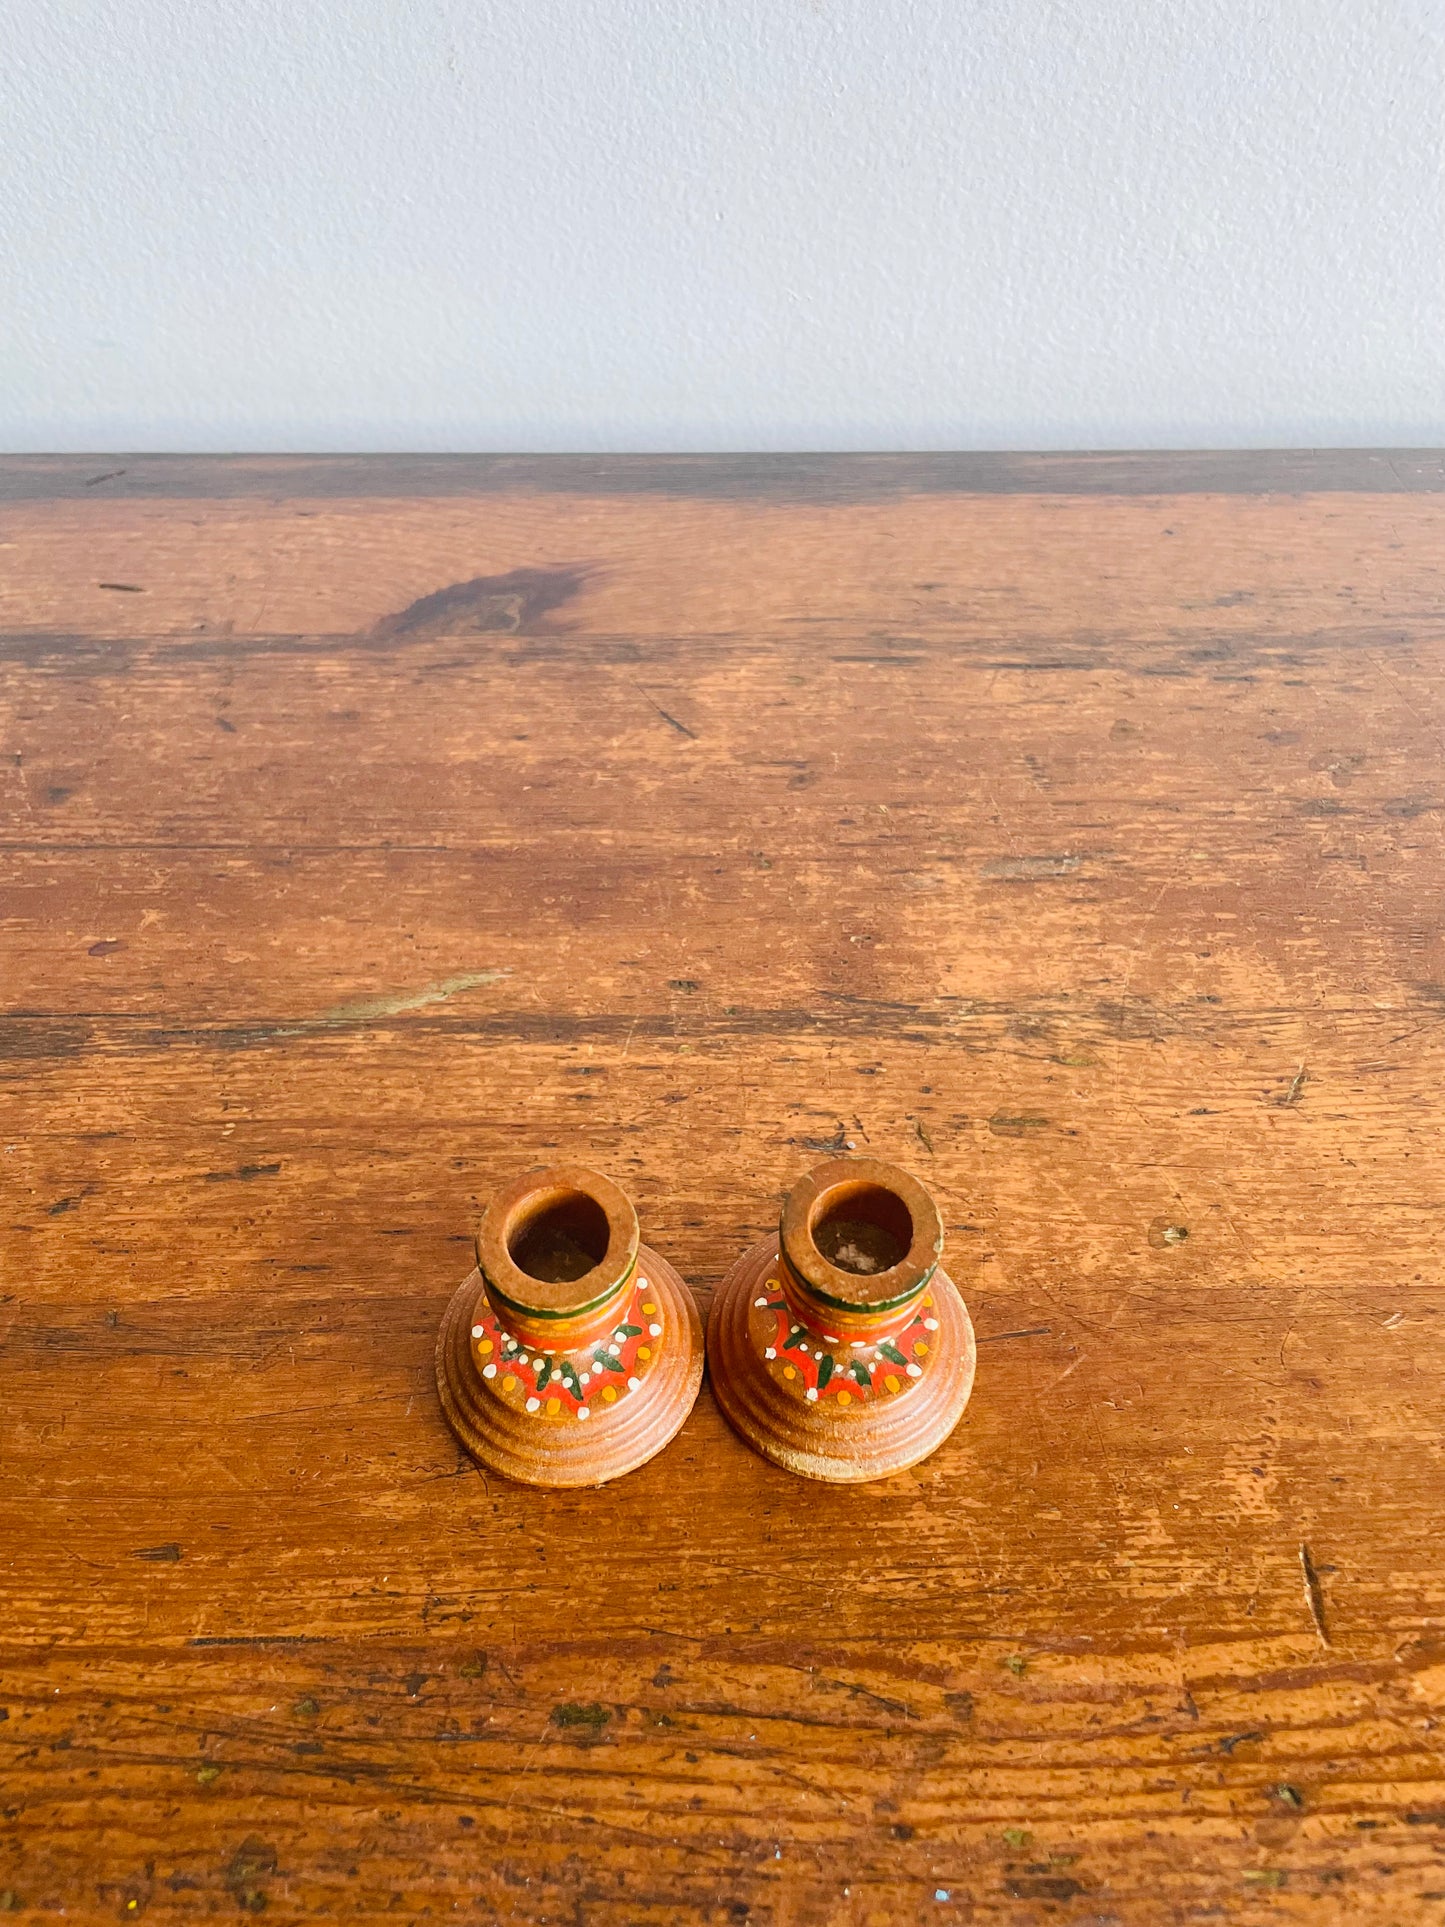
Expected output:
(660, 224)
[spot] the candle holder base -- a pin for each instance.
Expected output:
(829, 1408)
(572, 1418)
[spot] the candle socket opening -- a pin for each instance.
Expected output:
(559, 1237)
(863, 1228)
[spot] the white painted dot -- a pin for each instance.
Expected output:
(930, 1324)
(643, 1285)
(620, 1333)
(534, 1404)
(771, 1352)
(832, 1338)
(489, 1371)
(811, 1393)
(803, 1349)
(915, 1371)
(656, 1330)
(585, 1377)
(633, 1383)
(479, 1331)
(756, 1301)
(583, 1412)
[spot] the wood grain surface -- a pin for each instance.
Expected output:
(1069, 831)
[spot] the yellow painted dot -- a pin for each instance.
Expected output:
(554, 1406)
(788, 1372)
(891, 1382)
(644, 1351)
(509, 1384)
(651, 1310)
(609, 1392)
(485, 1346)
(929, 1302)
(845, 1398)
(920, 1350)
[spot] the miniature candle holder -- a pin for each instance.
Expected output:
(572, 1353)
(841, 1349)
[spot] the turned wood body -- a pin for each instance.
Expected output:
(583, 1366)
(840, 1349)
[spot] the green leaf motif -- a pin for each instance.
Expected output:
(544, 1377)
(825, 1370)
(860, 1372)
(569, 1378)
(892, 1353)
(606, 1362)
(630, 1331)
(794, 1339)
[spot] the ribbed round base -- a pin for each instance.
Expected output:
(616, 1438)
(845, 1443)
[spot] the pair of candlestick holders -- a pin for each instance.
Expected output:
(839, 1349)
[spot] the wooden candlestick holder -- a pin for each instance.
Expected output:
(572, 1353)
(841, 1349)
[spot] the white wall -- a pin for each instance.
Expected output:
(680, 224)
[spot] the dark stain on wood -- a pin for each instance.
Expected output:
(517, 603)
(1042, 1886)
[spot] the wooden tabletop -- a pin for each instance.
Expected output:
(1066, 829)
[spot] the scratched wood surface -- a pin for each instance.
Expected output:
(1069, 830)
